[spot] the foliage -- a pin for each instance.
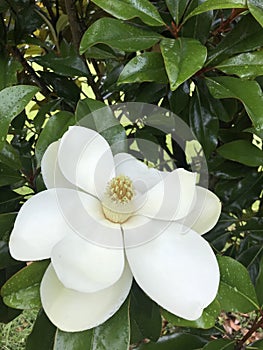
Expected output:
(201, 60)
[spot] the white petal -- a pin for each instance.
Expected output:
(74, 311)
(142, 176)
(171, 198)
(86, 267)
(86, 160)
(178, 271)
(38, 227)
(51, 172)
(85, 216)
(205, 212)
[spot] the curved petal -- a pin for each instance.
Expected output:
(205, 213)
(86, 160)
(73, 311)
(142, 176)
(38, 227)
(86, 267)
(51, 172)
(172, 198)
(178, 271)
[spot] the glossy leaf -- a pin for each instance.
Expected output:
(244, 65)
(175, 341)
(220, 344)
(128, 9)
(6, 224)
(73, 341)
(248, 92)
(8, 73)
(256, 9)
(259, 284)
(183, 57)
(148, 66)
(118, 35)
(21, 291)
(177, 9)
(10, 156)
(242, 151)
(12, 101)
(5, 257)
(42, 335)
(203, 119)
(9, 176)
(236, 291)
(145, 317)
(216, 4)
(247, 35)
(206, 321)
(56, 126)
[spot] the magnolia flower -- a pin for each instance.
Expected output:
(105, 220)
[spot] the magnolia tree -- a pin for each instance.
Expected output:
(131, 173)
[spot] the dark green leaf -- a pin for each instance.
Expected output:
(56, 126)
(148, 66)
(175, 341)
(10, 156)
(259, 284)
(9, 176)
(177, 9)
(118, 35)
(12, 101)
(74, 341)
(220, 344)
(21, 291)
(257, 345)
(206, 321)
(9, 201)
(8, 73)
(203, 119)
(236, 291)
(244, 65)
(242, 151)
(248, 92)
(216, 4)
(256, 9)
(5, 257)
(6, 224)
(145, 316)
(246, 36)
(183, 57)
(42, 335)
(128, 9)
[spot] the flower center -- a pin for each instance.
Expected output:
(117, 202)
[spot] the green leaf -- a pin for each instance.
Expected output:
(242, 151)
(256, 9)
(56, 126)
(257, 345)
(6, 224)
(244, 65)
(73, 341)
(8, 73)
(96, 115)
(12, 101)
(247, 35)
(175, 341)
(128, 9)
(145, 316)
(5, 257)
(177, 9)
(183, 57)
(118, 35)
(42, 335)
(220, 344)
(10, 156)
(206, 321)
(236, 291)
(248, 92)
(148, 66)
(21, 291)
(209, 5)
(259, 283)
(203, 119)
(9, 176)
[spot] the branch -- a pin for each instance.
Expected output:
(258, 323)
